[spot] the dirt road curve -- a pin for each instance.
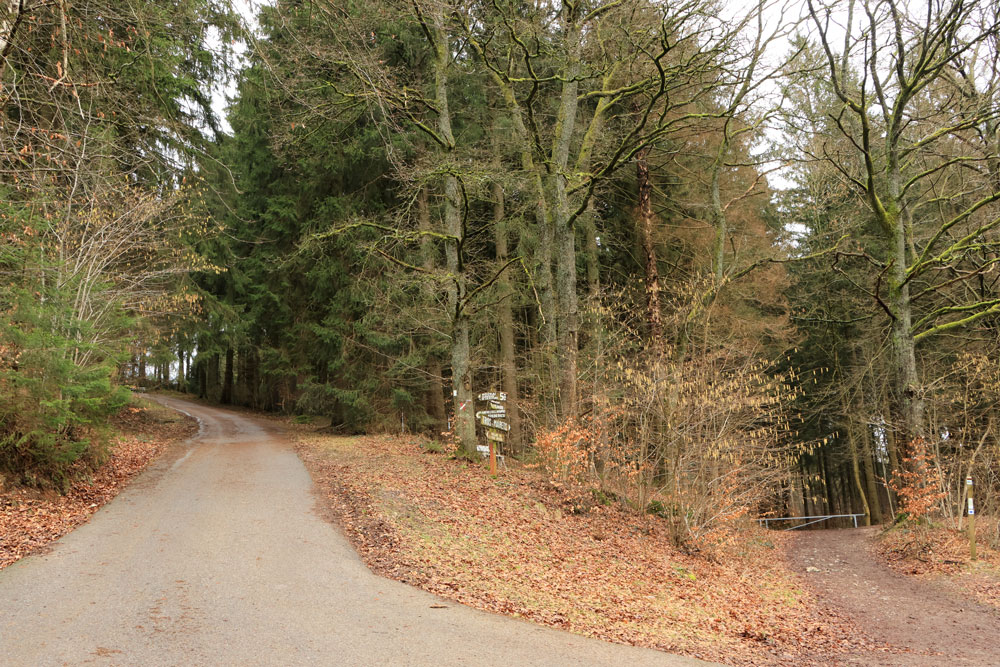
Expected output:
(214, 556)
(937, 625)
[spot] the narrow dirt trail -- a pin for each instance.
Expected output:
(935, 625)
(215, 556)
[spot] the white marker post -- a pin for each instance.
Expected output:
(972, 520)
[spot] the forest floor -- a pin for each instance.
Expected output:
(518, 546)
(31, 519)
(935, 617)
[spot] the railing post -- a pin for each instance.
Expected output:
(972, 520)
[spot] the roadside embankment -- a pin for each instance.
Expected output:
(517, 545)
(30, 519)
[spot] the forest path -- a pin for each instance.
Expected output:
(937, 624)
(214, 556)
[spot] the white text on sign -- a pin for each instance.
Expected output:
(494, 423)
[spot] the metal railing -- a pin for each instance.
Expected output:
(817, 519)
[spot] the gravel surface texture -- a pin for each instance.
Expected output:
(933, 624)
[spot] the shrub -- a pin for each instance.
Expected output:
(701, 443)
(56, 390)
(917, 484)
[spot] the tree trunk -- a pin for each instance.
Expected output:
(808, 503)
(565, 236)
(545, 351)
(568, 321)
(893, 451)
(253, 378)
(227, 382)
(647, 235)
(461, 381)
(846, 497)
(181, 372)
(434, 399)
(909, 400)
(593, 254)
(461, 372)
(436, 409)
(856, 470)
(910, 404)
(202, 378)
(718, 216)
(828, 487)
(244, 377)
(508, 360)
(543, 333)
(546, 287)
(874, 499)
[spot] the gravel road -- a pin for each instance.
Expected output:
(935, 625)
(215, 556)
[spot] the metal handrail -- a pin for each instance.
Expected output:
(817, 518)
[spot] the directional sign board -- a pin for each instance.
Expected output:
(489, 423)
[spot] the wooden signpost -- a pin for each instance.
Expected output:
(494, 421)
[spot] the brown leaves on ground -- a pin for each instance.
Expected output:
(30, 520)
(939, 552)
(516, 545)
